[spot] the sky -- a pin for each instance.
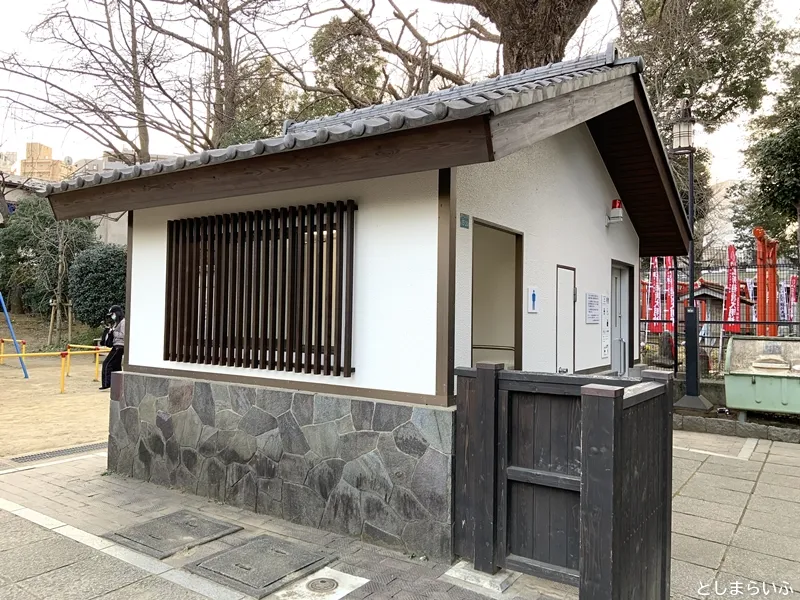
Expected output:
(725, 144)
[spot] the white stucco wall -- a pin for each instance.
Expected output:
(557, 194)
(394, 330)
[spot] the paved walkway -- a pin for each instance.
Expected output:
(736, 527)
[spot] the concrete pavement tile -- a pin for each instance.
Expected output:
(704, 492)
(19, 532)
(84, 537)
(786, 446)
(762, 567)
(781, 469)
(686, 463)
(40, 557)
(152, 588)
(14, 592)
(758, 457)
(785, 481)
(697, 551)
(9, 506)
(779, 459)
(734, 463)
(764, 542)
(686, 455)
(687, 579)
(778, 491)
(738, 472)
(39, 518)
(87, 578)
(705, 529)
(708, 510)
(772, 522)
(679, 478)
(202, 586)
(723, 483)
(790, 511)
(730, 586)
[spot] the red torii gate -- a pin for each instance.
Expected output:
(766, 282)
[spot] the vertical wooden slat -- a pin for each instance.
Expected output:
(464, 530)
(282, 295)
(541, 495)
(291, 289)
(329, 247)
(209, 309)
(319, 268)
(337, 311)
(483, 490)
(244, 286)
(230, 292)
(183, 274)
(501, 550)
(169, 325)
(241, 251)
(300, 284)
(193, 289)
(263, 331)
(309, 317)
(256, 295)
(273, 287)
(348, 288)
(219, 290)
(201, 291)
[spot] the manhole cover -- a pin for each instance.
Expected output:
(322, 584)
(261, 566)
(164, 536)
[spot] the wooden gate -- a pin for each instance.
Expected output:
(554, 473)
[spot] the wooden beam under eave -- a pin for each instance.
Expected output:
(442, 146)
(518, 129)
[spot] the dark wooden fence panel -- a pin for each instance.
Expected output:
(544, 504)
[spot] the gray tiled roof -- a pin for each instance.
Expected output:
(494, 96)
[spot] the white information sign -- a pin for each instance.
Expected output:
(592, 309)
(605, 328)
(532, 300)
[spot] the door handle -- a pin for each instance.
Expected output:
(563, 370)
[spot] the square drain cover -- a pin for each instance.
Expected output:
(261, 566)
(164, 536)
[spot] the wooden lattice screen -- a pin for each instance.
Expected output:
(270, 289)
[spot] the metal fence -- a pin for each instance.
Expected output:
(662, 328)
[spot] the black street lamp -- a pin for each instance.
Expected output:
(683, 144)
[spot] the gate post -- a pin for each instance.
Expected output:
(483, 435)
(601, 475)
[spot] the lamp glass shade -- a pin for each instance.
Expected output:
(683, 134)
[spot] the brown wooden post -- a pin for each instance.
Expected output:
(601, 489)
(667, 379)
(483, 434)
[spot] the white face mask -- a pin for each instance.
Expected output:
(113, 317)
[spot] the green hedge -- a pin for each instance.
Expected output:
(97, 282)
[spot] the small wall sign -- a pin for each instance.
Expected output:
(533, 300)
(592, 309)
(605, 328)
(464, 221)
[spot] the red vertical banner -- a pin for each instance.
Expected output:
(732, 309)
(655, 298)
(669, 292)
(793, 298)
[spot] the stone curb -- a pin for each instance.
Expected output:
(735, 429)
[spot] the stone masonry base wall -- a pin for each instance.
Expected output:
(375, 470)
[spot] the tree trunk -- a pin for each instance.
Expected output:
(4, 212)
(229, 74)
(534, 32)
(138, 92)
(62, 268)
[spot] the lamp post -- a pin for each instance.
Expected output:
(683, 144)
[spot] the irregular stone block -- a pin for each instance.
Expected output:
(269, 497)
(203, 403)
(376, 512)
(405, 504)
(188, 427)
(677, 422)
(157, 386)
(243, 493)
(147, 409)
(263, 466)
(428, 538)
(721, 426)
(180, 395)
(343, 511)
(409, 440)
(293, 468)
(399, 465)
(692, 423)
(160, 474)
(362, 411)
(125, 460)
(323, 439)
(221, 394)
(270, 444)
(312, 459)
(324, 477)
(388, 417)
(240, 449)
(129, 416)
(141, 462)
(431, 484)
(784, 434)
(164, 423)
(211, 483)
(373, 535)
(191, 461)
(291, 435)
(117, 386)
(134, 386)
(302, 505)
(242, 398)
(750, 430)
(330, 408)
(275, 402)
(185, 480)
(207, 444)
(367, 473)
(355, 444)
(152, 437)
(172, 453)
(113, 454)
(257, 421)
(436, 427)
(228, 419)
(345, 425)
(303, 408)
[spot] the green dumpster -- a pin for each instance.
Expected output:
(763, 374)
